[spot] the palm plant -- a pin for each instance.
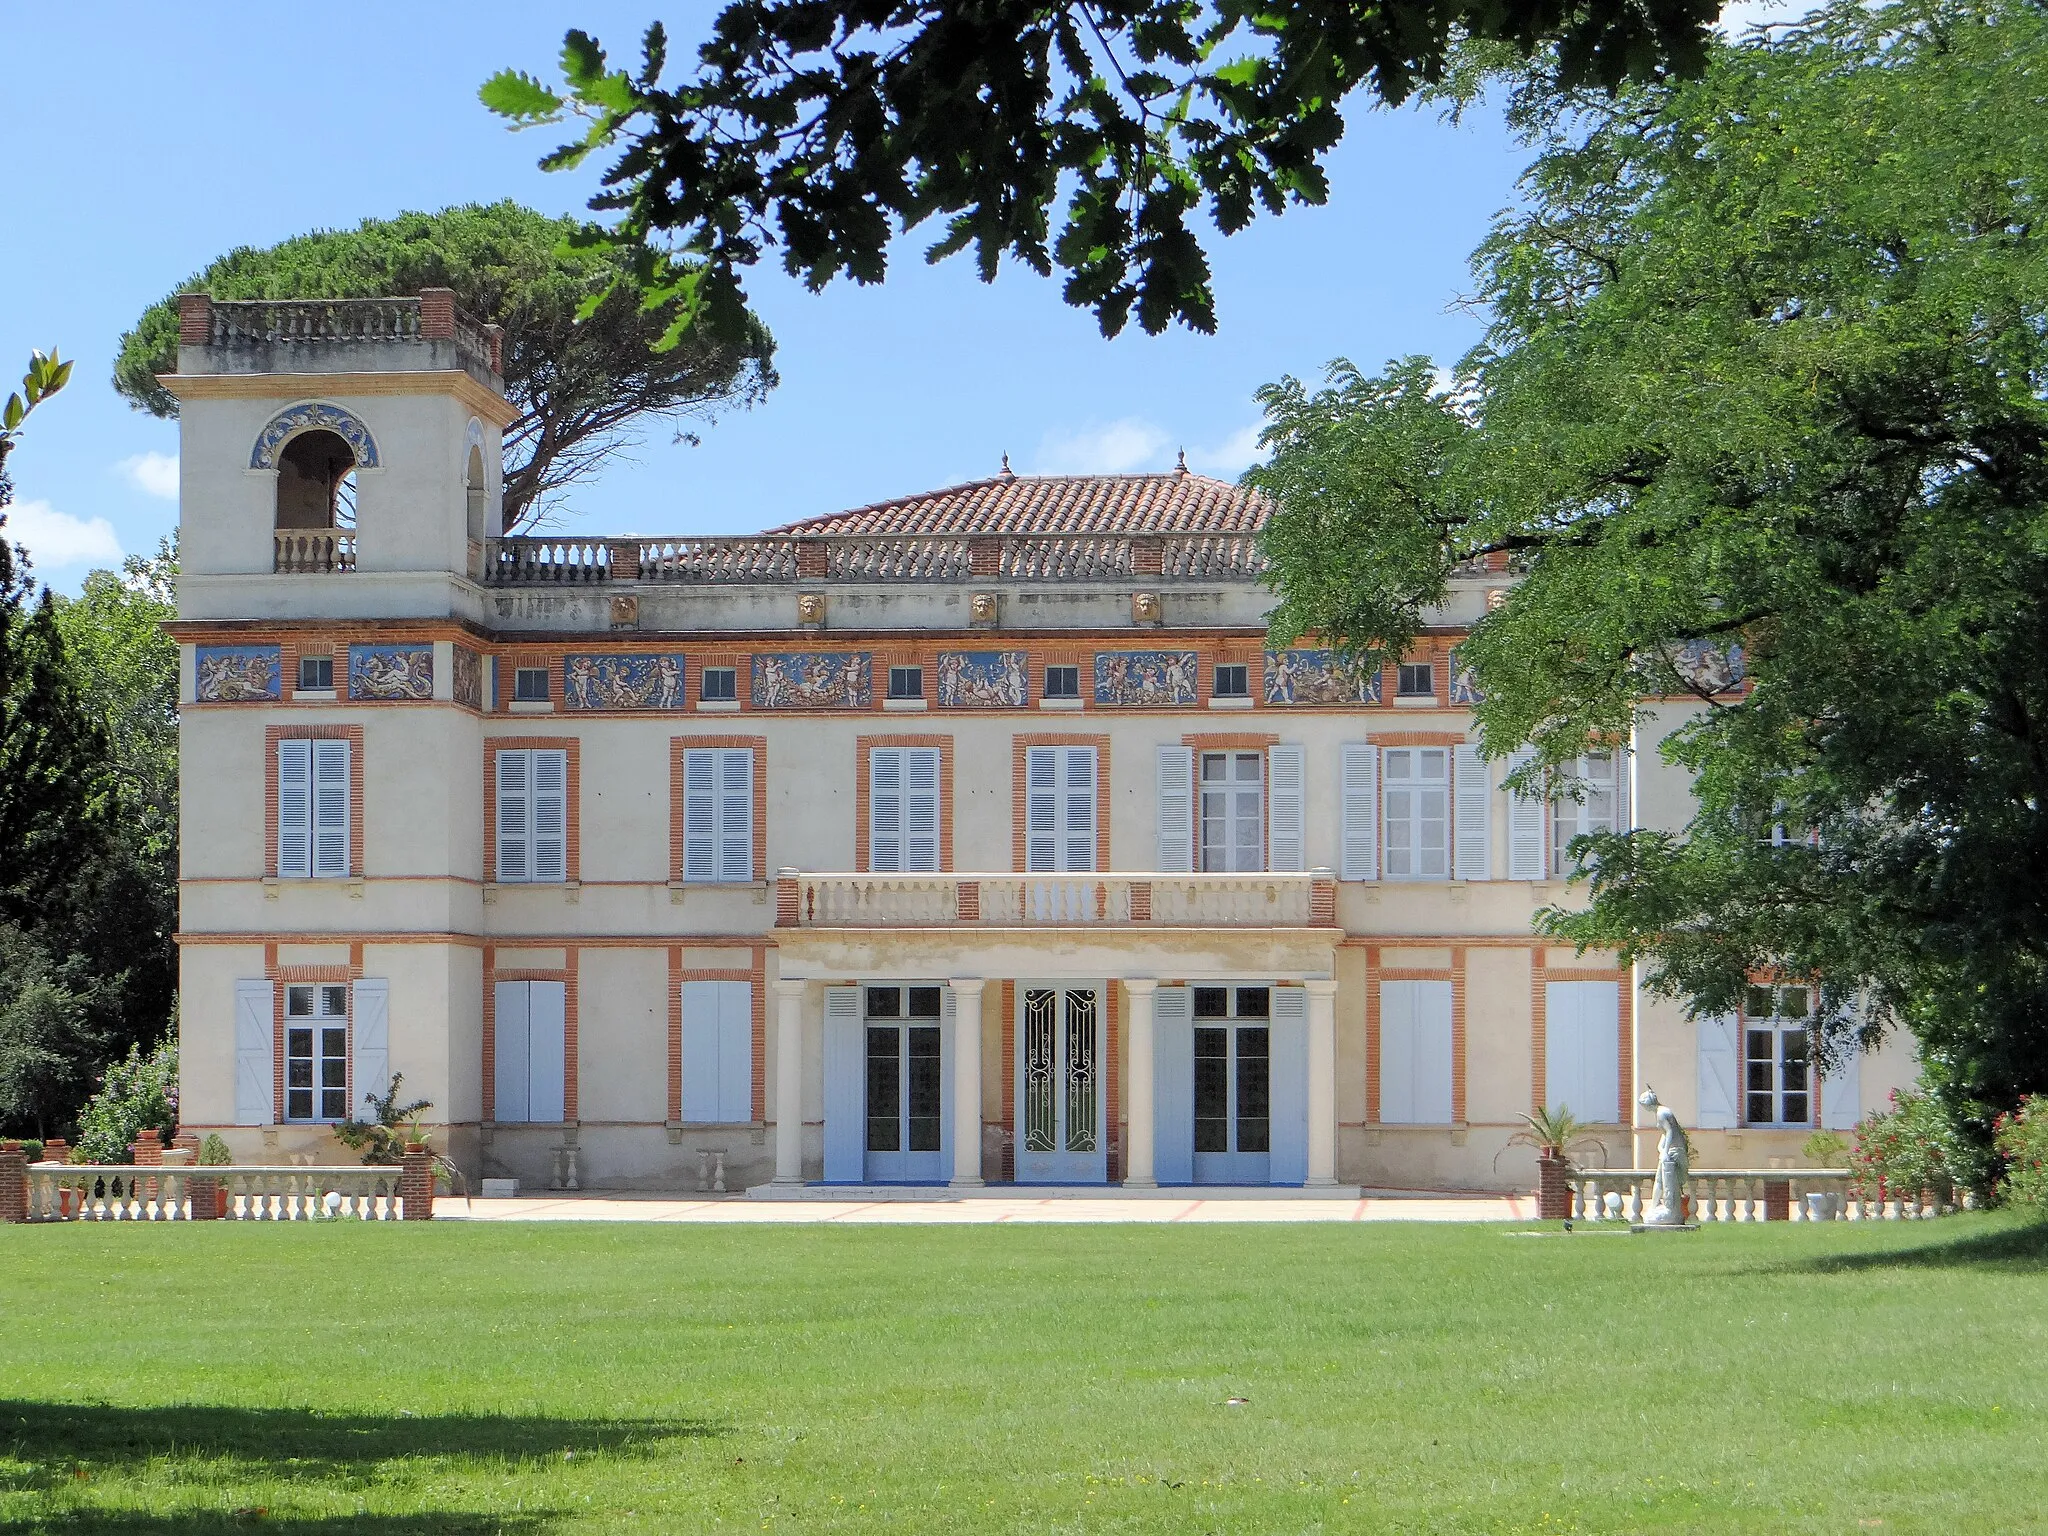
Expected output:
(1556, 1133)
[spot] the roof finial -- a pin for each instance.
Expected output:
(1006, 466)
(1182, 467)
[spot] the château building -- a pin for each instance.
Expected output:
(974, 837)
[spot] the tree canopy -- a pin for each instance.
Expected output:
(825, 127)
(582, 367)
(1767, 370)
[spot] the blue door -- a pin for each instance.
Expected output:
(1233, 1085)
(905, 1078)
(1060, 1134)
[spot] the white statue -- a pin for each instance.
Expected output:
(1674, 1161)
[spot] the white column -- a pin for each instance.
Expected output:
(789, 1082)
(967, 1083)
(1138, 1139)
(1322, 1081)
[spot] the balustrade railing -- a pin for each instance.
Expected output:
(540, 561)
(1042, 900)
(285, 322)
(136, 1192)
(309, 550)
(1740, 1194)
(717, 560)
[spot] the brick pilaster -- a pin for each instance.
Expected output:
(437, 314)
(1777, 1199)
(13, 1183)
(147, 1150)
(984, 556)
(812, 560)
(205, 1197)
(1148, 556)
(195, 319)
(495, 335)
(56, 1150)
(416, 1183)
(1553, 1189)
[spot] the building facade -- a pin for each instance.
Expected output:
(969, 838)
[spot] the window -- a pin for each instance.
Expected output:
(905, 1081)
(1232, 682)
(1415, 1052)
(532, 815)
(718, 814)
(1233, 811)
(1417, 790)
(312, 810)
(1059, 809)
(316, 673)
(1233, 1069)
(1582, 1049)
(1597, 777)
(718, 1052)
(1775, 1064)
(718, 684)
(1062, 682)
(1417, 679)
(906, 682)
(529, 1032)
(530, 684)
(903, 809)
(316, 1052)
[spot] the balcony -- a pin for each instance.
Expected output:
(301, 551)
(1143, 900)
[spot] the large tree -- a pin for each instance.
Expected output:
(826, 126)
(1767, 369)
(582, 364)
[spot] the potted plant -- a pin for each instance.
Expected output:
(1555, 1134)
(214, 1153)
(70, 1196)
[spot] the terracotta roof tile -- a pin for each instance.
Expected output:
(1175, 502)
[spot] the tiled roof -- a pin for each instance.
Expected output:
(1175, 502)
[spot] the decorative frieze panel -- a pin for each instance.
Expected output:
(236, 674)
(1145, 677)
(623, 682)
(984, 679)
(1319, 677)
(797, 680)
(391, 671)
(311, 415)
(1710, 668)
(467, 678)
(1464, 681)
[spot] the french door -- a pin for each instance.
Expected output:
(906, 1086)
(1233, 1085)
(1061, 1132)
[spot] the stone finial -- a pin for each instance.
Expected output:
(1006, 467)
(1182, 466)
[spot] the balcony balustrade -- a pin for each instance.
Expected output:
(302, 551)
(1298, 900)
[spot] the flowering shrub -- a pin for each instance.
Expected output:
(2022, 1139)
(1901, 1152)
(134, 1095)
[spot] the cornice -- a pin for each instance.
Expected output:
(485, 402)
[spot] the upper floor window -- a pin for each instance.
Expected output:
(533, 795)
(1416, 679)
(1777, 1064)
(1062, 682)
(718, 814)
(1059, 808)
(903, 809)
(906, 682)
(530, 684)
(312, 809)
(315, 673)
(1232, 682)
(1417, 792)
(1587, 799)
(716, 684)
(1233, 811)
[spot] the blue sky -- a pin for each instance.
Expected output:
(145, 140)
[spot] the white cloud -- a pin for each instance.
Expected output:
(1117, 448)
(56, 539)
(154, 474)
(1231, 457)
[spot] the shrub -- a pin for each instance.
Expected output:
(1903, 1151)
(136, 1094)
(214, 1153)
(1824, 1149)
(2022, 1140)
(382, 1139)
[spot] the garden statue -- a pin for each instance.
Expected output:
(1667, 1198)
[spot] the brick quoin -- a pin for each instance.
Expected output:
(13, 1183)
(195, 319)
(416, 1183)
(437, 314)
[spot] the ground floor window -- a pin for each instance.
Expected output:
(1233, 1071)
(905, 1073)
(316, 1051)
(1777, 1063)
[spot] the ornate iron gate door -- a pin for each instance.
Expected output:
(1062, 1135)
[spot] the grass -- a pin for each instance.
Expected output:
(510, 1378)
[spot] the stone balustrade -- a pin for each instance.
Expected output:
(808, 900)
(143, 1192)
(307, 551)
(1749, 1194)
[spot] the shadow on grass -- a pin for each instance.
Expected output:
(59, 1440)
(2022, 1248)
(207, 1523)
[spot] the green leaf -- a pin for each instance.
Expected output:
(582, 60)
(509, 93)
(15, 411)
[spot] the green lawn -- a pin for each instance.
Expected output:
(344, 1378)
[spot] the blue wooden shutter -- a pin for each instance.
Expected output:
(1286, 816)
(1415, 1052)
(1720, 1082)
(1041, 809)
(1474, 811)
(885, 809)
(330, 810)
(550, 816)
(921, 808)
(1288, 1064)
(515, 816)
(1525, 827)
(1582, 1049)
(512, 1046)
(736, 1052)
(255, 1027)
(1173, 1086)
(700, 1051)
(295, 810)
(1176, 783)
(736, 814)
(700, 817)
(547, 1056)
(1361, 792)
(370, 1030)
(1841, 1091)
(846, 1094)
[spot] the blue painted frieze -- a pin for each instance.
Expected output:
(1464, 682)
(1319, 677)
(235, 674)
(623, 682)
(294, 419)
(1145, 677)
(467, 677)
(984, 679)
(391, 671)
(811, 680)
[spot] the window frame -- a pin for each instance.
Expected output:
(1232, 819)
(913, 679)
(1569, 816)
(320, 1025)
(1403, 670)
(718, 759)
(305, 686)
(1242, 678)
(1778, 1026)
(1414, 844)
(324, 807)
(520, 691)
(728, 679)
(530, 835)
(1048, 688)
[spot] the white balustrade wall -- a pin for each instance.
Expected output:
(1737, 1194)
(136, 1192)
(1013, 900)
